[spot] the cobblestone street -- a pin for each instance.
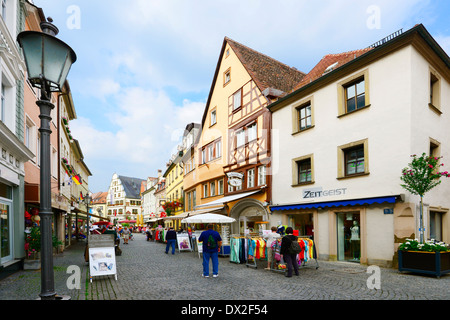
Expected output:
(145, 272)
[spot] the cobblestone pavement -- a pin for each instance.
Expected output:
(145, 272)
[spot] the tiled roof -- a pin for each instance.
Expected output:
(339, 59)
(131, 186)
(265, 71)
(99, 197)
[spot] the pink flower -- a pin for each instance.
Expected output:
(430, 166)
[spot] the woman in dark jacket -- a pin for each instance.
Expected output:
(289, 258)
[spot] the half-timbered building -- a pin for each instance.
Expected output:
(234, 151)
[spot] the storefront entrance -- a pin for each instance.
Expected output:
(5, 231)
(302, 222)
(348, 236)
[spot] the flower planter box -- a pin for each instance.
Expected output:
(31, 264)
(433, 263)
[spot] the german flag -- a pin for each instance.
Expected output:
(81, 196)
(77, 179)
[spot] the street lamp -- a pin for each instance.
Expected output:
(48, 62)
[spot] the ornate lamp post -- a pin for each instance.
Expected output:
(48, 62)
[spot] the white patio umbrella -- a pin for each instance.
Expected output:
(208, 218)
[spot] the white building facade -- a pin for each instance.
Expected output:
(343, 138)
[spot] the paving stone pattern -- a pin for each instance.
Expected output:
(145, 272)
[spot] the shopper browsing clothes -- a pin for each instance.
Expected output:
(171, 238)
(211, 246)
(270, 238)
(288, 256)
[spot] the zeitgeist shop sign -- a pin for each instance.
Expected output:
(319, 192)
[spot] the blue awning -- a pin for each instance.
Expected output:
(342, 203)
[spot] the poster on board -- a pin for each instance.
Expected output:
(102, 262)
(183, 241)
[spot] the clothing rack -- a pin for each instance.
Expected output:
(310, 255)
(254, 250)
(237, 249)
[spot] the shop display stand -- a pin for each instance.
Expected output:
(274, 264)
(304, 264)
(234, 236)
(248, 263)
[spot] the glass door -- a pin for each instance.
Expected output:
(5, 232)
(348, 237)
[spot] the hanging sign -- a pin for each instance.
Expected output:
(235, 178)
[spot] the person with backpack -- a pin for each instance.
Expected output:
(289, 250)
(211, 246)
(171, 238)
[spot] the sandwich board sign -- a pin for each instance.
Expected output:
(102, 256)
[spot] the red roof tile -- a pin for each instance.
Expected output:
(328, 60)
(266, 71)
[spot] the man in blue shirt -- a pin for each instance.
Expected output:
(211, 246)
(171, 238)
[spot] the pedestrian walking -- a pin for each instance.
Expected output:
(288, 256)
(270, 238)
(211, 246)
(126, 235)
(171, 238)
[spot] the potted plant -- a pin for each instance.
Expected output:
(33, 248)
(430, 257)
(421, 176)
(422, 256)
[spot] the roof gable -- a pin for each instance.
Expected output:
(264, 70)
(131, 186)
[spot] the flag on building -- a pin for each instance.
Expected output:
(77, 179)
(81, 196)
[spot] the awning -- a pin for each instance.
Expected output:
(342, 203)
(227, 199)
(192, 213)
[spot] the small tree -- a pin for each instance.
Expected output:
(421, 176)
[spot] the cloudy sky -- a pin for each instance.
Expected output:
(145, 67)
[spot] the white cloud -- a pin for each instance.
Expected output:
(147, 125)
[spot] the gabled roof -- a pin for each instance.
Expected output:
(329, 63)
(99, 197)
(131, 186)
(265, 71)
